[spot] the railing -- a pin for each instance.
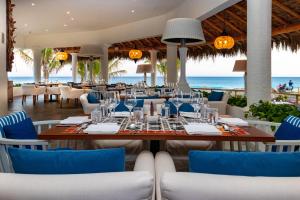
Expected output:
(234, 92)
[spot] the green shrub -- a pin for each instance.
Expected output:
(281, 98)
(205, 94)
(17, 85)
(271, 112)
(239, 101)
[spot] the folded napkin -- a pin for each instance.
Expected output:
(201, 128)
(189, 114)
(102, 128)
(75, 120)
(120, 114)
(233, 121)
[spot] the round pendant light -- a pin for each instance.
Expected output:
(135, 54)
(224, 41)
(61, 56)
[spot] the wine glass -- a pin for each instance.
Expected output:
(130, 103)
(177, 103)
(196, 105)
(112, 105)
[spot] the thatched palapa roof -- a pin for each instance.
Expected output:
(285, 32)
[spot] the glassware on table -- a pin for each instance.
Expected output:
(165, 110)
(177, 103)
(196, 105)
(112, 104)
(215, 115)
(138, 114)
(96, 115)
(130, 103)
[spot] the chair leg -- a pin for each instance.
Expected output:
(61, 101)
(23, 99)
(34, 99)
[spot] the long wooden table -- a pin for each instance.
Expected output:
(252, 134)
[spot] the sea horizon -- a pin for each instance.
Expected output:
(222, 82)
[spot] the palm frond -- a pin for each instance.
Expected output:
(25, 56)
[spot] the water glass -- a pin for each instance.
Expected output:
(166, 109)
(138, 114)
(96, 115)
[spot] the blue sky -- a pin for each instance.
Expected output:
(284, 63)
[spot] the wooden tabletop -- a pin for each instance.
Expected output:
(248, 133)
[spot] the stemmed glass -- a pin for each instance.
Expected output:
(177, 103)
(130, 103)
(113, 102)
(195, 102)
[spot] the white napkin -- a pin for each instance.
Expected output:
(201, 128)
(120, 114)
(75, 120)
(189, 114)
(233, 121)
(102, 128)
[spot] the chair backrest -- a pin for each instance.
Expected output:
(106, 186)
(10, 120)
(27, 89)
(65, 90)
(53, 90)
(182, 185)
(5, 162)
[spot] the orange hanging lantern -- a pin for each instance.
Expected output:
(61, 56)
(135, 54)
(224, 41)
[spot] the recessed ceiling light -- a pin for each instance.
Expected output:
(68, 12)
(32, 4)
(25, 25)
(72, 19)
(132, 11)
(65, 25)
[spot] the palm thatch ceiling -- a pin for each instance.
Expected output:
(285, 32)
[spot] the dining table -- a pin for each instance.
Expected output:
(157, 132)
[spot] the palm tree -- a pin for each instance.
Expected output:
(49, 62)
(113, 69)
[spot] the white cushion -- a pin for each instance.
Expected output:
(106, 186)
(197, 186)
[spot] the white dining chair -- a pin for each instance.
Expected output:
(32, 90)
(66, 92)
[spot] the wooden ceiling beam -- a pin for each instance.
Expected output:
(213, 25)
(236, 17)
(230, 25)
(278, 19)
(208, 33)
(286, 9)
(242, 9)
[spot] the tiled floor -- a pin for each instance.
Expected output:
(47, 110)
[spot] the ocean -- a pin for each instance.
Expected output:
(194, 82)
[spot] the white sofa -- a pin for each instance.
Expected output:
(220, 105)
(87, 107)
(135, 185)
(174, 185)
